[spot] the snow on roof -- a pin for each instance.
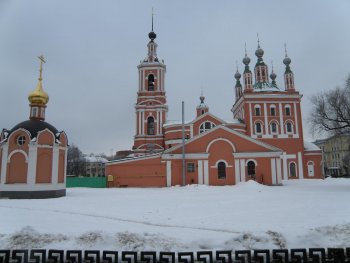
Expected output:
(233, 121)
(309, 146)
(95, 159)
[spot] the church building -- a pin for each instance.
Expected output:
(263, 141)
(33, 154)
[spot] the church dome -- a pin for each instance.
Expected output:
(34, 127)
(38, 96)
(152, 35)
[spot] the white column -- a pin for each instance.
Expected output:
(273, 170)
(55, 158)
(32, 160)
(65, 165)
(251, 119)
(5, 150)
(142, 122)
(242, 170)
(206, 172)
(200, 172)
(168, 173)
(296, 120)
(279, 171)
(237, 174)
(158, 122)
(281, 118)
(285, 171)
(300, 166)
(161, 122)
(266, 120)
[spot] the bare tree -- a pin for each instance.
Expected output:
(331, 110)
(75, 161)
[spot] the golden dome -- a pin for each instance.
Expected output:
(39, 96)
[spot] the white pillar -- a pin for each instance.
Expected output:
(300, 166)
(266, 120)
(158, 122)
(5, 150)
(281, 118)
(296, 120)
(237, 174)
(285, 171)
(142, 122)
(200, 172)
(251, 119)
(65, 165)
(206, 172)
(32, 160)
(279, 171)
(273, 170)
(168, 173)
(242, 170)
(161, 122)
(55, 158)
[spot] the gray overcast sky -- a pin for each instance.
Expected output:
(92, 49)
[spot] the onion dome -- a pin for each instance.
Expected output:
(259, 52)
(39, 96)
(246, 60)
(152, 35)
(237, 75)
(287, 61)
(34, 127)
(273, 76)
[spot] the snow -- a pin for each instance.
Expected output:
(309, 146)
(95, 159)
(302, 213)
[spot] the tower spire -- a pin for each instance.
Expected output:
(152, 18)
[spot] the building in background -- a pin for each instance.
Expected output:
(263, 141)
(95, 166)
(336, 155)
(33, 154)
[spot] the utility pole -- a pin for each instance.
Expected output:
(183, 146)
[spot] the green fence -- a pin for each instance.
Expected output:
(93, 182)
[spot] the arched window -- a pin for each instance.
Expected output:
(150, 82)
(292, 170)
(257, 110)
(289, 127)
(273, 111)
(258, 129)
(251, 168)
(288, 112)
(150, 126)
(273, 127)
(221, 170)
(205, 126)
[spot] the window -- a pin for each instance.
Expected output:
(258, 127)
(287, 111)
(150, 126)
(21, 140)
(206, 126)
(257, 110)
(273, 127)
(273, 111)
(251, 168)
(150, 82)
(190, 167)
(221, 170)
(292, 170)
(34, 112)
(289, 127)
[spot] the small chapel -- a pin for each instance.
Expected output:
(263, 141)
(33, 153)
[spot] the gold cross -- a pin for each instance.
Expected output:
(42, 60)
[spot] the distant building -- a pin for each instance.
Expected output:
(263, 141)
(336, 154)
(33, 154)
(95, 166)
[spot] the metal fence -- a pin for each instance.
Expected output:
(223, 256)
(92, 182)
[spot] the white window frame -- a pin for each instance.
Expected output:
(202, 126)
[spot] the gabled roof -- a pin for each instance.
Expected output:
(260, 143)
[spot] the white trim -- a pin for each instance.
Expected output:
(15, 132)
(173, 141)
(251, 120)
(65, 165)
(220, 139)
(300, 164)
(200, 172)
(17, 151)
(273, 171)
(221, 160)
(254, 161)
(273, 96)
(237, 173)
(261, 127)
(5, 148)
(176, 131)
(256, 154)
(187, 156)
(31, 172)
(134, 159)
(313, 154)
(168, 173)
(206, 172)
(281, 118)
(191, 130)
(266, 120)
(296, 118)
(285, 166)
(33, 187)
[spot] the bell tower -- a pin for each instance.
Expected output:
(151, 107)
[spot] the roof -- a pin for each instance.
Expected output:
(34, 127)
(309, 146)
(95, 159)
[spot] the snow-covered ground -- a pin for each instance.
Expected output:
(302, 213)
